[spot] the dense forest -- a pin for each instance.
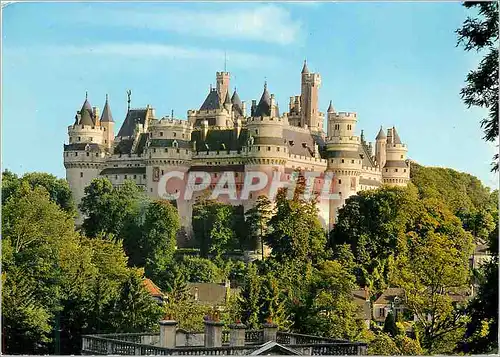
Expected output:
(60, 282)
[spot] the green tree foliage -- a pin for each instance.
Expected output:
(251, 301)
(134, 310)
(408, 346)
(257, 219)
(217, 227)
(482, 330)
(296, 232)
(58, 189)
(432, 266)
(390, 325)
(159, 236)
(480, 33)
(199, 270)
(383, 345)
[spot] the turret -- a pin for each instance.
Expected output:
(108, 125)
(309, 100)
(222, 84)
(380, 148)
(396, 170)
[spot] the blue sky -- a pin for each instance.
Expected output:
(392, 63)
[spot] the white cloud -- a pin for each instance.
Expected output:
(146, 51)
(263, 23)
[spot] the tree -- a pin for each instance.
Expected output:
(482, 330)
(481, 34)
(199, 270)
(134, 310)
(257, 219)
(383, 345)
(250, 303)
(295, 230)
(58, 189)
(159, 236)
(390, 325)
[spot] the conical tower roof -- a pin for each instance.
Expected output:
(305, 69)
(228, 99)
(330, 108)
(86, 113)
(237, 104)
(264, 106)
(106, 113)
(381, 134)
(396, 139)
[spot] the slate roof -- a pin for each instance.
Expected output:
(330, 108)
(215, 139)
(123, 170)
(343, 154)
(381, 134)
(91, 147)
(299, 138)
(143, 138)
(168, 143)
(305, 69)
(264, 106)
(212, 101)
(395, 163)
(86, 118)
(133, 117)
(366, 157)
(106, 113)
(237, 103)
(124, 147)
(396, 139)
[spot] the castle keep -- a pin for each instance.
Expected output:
(225, 135)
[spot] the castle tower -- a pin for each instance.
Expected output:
(380, 148)
(310, 115)
(343, 158)
(222, 84)
(266, 149)
(108, 125)
(396, 170)
(84, 156)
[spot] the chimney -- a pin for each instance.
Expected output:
(204, 129)
(213, 333)
(168, 329)
(254, 106)
(196, 296)
(244, 108)
(270, 331)
(237, 334)
(96, 113)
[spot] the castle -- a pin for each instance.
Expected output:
(221, 136)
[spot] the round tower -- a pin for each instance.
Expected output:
(396, 169)
(265, 150)
(344, 160)
(108, 125)
(84, 156)
(380, 148)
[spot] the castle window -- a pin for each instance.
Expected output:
(78, 138)
(404, 170)
(352, 161)
(175, 134)
(135, 176)
(183, 135)
(162, 172)
(340, 193)
(178, 151)
(395, 170)
(256, 131)
(340, 182)
(161, 133)
(401, 156)
(76, 154)
(268, 148)
(91, 139)
(104, 129)
(105, 141)
(342, 160)
(154, 150)
(386, 170)
(116, 177)
(125, 177)
(187, 151)
(81, 174)
(166, 150)
(151, 189)
(96, 154)
(258, 148)
(277, 149)
(88, 154)
(143, 176)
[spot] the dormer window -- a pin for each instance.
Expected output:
(175, 144)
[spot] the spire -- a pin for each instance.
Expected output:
(228, 99)
(305, 69)
(381, 134)
(86, 113)
(237, 104)
(106, 116)
(330, 108)
(396, 139)
(264, 106)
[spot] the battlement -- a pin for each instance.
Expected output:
(271, 120)
(220, 153)
(307, 159)
(167, 121)
(342, 139)
(390, 147)
(341, 115)
(298, 129)
(80, 128)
